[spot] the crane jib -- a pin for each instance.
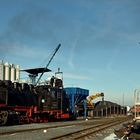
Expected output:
(57, 48)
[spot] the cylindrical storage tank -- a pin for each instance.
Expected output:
(17, 73)
(7, 71)
(13, 73)
(2, 70)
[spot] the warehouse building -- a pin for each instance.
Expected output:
(108, 109)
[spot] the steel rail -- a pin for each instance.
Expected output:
(90, 130)
(103, 127)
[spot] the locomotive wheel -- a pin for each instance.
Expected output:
(3, 117)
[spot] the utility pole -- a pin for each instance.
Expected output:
(85, 109)
(123, 105)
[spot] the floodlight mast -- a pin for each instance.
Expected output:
(55, 51)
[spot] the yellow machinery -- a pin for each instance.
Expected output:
(90, 104)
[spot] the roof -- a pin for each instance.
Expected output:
(76, 91)
(104, 104)
(36, 70)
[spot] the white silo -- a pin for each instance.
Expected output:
(2, 72)
(13, 73)
(17, 72)
(7, 71)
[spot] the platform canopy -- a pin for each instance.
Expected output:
(35, 71)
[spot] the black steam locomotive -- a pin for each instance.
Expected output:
(23, 103)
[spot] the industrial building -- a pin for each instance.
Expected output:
(9, 71)
(108, 109)
(135, 110)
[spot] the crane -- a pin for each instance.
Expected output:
(55, 51)
(90, 99)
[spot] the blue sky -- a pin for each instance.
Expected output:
(100, 42)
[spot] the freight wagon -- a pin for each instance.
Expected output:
(23, 103)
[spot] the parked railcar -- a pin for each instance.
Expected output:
(23, 103)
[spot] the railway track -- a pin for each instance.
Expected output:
(34, 129)
(72, 130)
(93, 129)
(43, 127)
